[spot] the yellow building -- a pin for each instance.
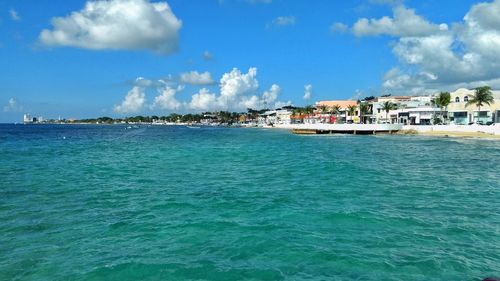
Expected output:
(459, 113)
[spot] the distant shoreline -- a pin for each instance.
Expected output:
(431, 131)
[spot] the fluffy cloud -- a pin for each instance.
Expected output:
(134, 101)
(307, 91)
(234, 84)
(14, 15)
(117, 24)
(166, 99)
(404, 23)
(270, 96)
(238, 91)
(203, 100)
(284, 20)
(12, 106)
(434, 57)
(196, 78)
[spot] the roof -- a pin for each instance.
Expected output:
(341, 103)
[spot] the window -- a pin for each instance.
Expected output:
(457, 99)
(466, 98)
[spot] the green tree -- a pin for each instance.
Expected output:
(309, 109)
(364, 109)
(442, 101)
(388, 106)
(323, 109)
(351, 109)
(335, 110)
(482, 96)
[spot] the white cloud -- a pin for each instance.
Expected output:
(134, 101)
(117, 24)
(307, 91)
(14, 15)
(235, 84)
(280, 104)
(12, 106)
(270, 96)
(196, 78)
(404, 23)
(435, 57)
(166, 99)
(143, 82)
(207, 55)
(339, 27)
(238, 91)
(284, 20)
(203, 101)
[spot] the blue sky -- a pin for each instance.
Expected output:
(258, 53)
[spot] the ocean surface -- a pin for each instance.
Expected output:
(174, 203)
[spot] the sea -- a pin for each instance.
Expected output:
(120, 202)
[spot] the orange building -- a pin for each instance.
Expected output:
(344, 104)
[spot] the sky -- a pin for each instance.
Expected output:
(91, 58)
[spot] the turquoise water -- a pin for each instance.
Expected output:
(173, 203)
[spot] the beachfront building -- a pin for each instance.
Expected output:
(409, 110)
(342, 116)
(277, 116)
(461, 114)
(379, 115)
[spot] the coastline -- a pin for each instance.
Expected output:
(456, 134)
(455, 131)
(459, 131)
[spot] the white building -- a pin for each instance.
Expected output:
(27, 118)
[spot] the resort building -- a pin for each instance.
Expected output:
(342, 115)
(461, 114)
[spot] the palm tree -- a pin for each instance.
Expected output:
(387, 106)
(335, 110)
(482, 96)
(442, 101)
(323, 109)
(351, 109)
(309, 109)
(364, 109)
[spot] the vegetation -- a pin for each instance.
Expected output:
(351, 109)
(388, 106)
(323, 109)
(364, 109)
(335, 110)
(442, 101)
(482, 96)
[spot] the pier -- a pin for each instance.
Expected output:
(355, 129)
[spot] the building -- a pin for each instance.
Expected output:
(460, 114)
(27, 118)
(342, 115)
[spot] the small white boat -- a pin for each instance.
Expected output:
(193, 127)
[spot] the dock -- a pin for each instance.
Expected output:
(354, 129)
